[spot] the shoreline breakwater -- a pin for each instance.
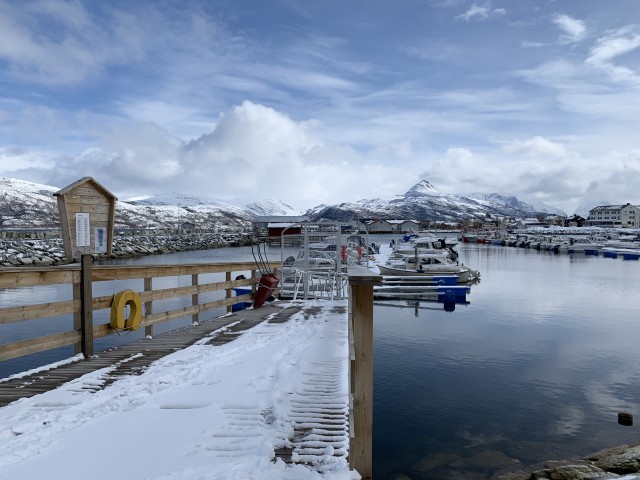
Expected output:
(50, 252)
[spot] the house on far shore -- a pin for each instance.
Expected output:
(188, 227)
(575, 221)
(276, 229)
(392, 226)
(528, 223)
(626, 216)
(558, 220)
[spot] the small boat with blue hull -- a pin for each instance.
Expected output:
(581, 245)
(438, 292)
(625, 253)
(428, 266)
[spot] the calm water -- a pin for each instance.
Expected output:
(536, 367)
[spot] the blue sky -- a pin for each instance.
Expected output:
(324, 101)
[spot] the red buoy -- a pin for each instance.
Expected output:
(266, 287)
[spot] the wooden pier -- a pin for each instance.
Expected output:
(134, 358)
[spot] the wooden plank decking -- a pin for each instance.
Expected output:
(133, 358)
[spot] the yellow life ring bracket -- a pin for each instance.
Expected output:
(120, 301)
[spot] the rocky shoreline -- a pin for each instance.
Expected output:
(621, 462)
(50, 252)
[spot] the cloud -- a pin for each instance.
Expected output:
(17, 159)
(611, 46)
(61, 43)
(574, 29)
(537, 147)
(253, 152)
(480, 12)
(528, 44)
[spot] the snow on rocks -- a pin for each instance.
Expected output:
(48, 252)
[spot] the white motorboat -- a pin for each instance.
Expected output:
(426, 265)
(424, 245)
(580, 245)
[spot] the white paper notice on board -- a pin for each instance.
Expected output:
(83, 230)
(100, 236)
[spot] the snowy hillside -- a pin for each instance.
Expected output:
(586, 205)
(30, 205)
(513, 202)
(27, 204)
(424, 202)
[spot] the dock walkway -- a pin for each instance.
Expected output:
(134, 357)
(261, 392)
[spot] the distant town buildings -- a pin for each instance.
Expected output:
(612, 216)
(392, 226)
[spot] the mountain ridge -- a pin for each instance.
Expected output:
(26, 204)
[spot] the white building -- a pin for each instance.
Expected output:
(528, 223)
(627, 216)
(392, 226)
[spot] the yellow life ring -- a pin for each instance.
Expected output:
(120, 300)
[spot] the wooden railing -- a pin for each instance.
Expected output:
(82, 304)
(361, 282)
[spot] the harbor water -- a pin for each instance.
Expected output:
(536, 366)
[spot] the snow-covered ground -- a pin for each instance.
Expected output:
(205, 412)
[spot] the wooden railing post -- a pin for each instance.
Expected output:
(77, 320)
(195, 318)
(86, 305)
(361, 283)
(228, 291)
(148, 306)
(254, 284)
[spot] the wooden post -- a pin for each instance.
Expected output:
(362, 297)
(361, 283)
(253, 285)
(77, 320)
(195, 318)
(148, 306)
(86, 307)
(228, 291)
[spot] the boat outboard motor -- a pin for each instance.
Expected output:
(449, 306)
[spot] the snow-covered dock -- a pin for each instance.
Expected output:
(261, 394)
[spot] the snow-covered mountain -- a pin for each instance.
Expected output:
(587, 205)
(513, 202)
(270, 206)
(30, 205)
(424, 202)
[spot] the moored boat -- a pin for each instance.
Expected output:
(427, 265)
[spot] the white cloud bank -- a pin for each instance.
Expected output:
(218, 102)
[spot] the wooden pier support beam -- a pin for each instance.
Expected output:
(148, 306)
(86, 307)
(361, 282)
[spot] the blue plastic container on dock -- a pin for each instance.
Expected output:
(631, 256)
(242, 305)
